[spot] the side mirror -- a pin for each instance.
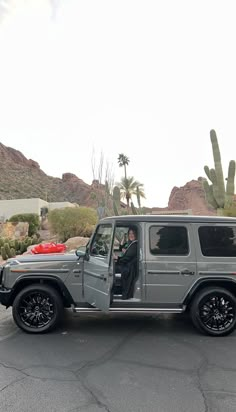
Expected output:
(81, 251)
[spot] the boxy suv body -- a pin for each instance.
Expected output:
(184, 263)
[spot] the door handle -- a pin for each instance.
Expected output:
(103, 277)
(187, 272)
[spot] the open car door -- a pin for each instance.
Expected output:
(97, 272)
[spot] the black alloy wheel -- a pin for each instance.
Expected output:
(213, 311)
(37, 308)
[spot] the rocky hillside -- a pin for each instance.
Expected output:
(22, 178)
(190, 196)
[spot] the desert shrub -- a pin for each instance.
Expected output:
(71, 222)
(31, 218)
(231, 212)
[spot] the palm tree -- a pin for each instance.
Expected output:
(128, 188)
(140, 193)
(123, 161)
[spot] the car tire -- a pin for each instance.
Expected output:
(213, 311)
(37, 308)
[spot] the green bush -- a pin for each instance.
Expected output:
(231, 212)
(71, 222)
(31, 218)
(35, 240)
(28, 241)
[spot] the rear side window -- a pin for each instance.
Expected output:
(218, 240)
(168, 240)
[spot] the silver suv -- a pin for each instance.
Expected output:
(183, 263)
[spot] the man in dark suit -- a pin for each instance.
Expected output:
(126, 264)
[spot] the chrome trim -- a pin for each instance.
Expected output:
(163, 272)
(132, 310)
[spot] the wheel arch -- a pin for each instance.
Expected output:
(223, 282)
(52, 281)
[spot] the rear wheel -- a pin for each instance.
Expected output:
(37, 308)
(213, 311)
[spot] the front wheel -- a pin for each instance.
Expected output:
(213, 311)
(37, 308)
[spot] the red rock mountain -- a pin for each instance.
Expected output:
(22, 178)
(191, 196)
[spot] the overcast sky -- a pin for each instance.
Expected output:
(145, 78)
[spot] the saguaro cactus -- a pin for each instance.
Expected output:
(116, 200)
(23, 247)
(13, 252)
(7, 250)
(3, 253)
(216, 194)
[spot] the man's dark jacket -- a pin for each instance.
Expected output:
(127, 265)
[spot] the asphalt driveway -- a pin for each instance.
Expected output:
(134, 363)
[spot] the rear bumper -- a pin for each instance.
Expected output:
(5, 296)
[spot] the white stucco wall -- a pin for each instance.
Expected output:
(12, 207)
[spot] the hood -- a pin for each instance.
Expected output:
(49, 257)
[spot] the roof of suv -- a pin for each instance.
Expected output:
(171, 218)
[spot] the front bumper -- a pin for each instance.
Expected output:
(5, 296)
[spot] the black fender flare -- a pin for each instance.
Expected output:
(222, 281)
(47, 279)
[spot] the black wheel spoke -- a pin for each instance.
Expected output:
(31, 319)
(44, 318)
(207, 317)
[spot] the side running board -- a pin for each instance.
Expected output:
(132, 310)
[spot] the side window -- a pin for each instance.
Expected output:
(168, 240)
(218, 240)
(121, 234)
(101, 242)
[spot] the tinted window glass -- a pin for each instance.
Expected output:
(102, 241)
(168, 240)
(218, 240)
